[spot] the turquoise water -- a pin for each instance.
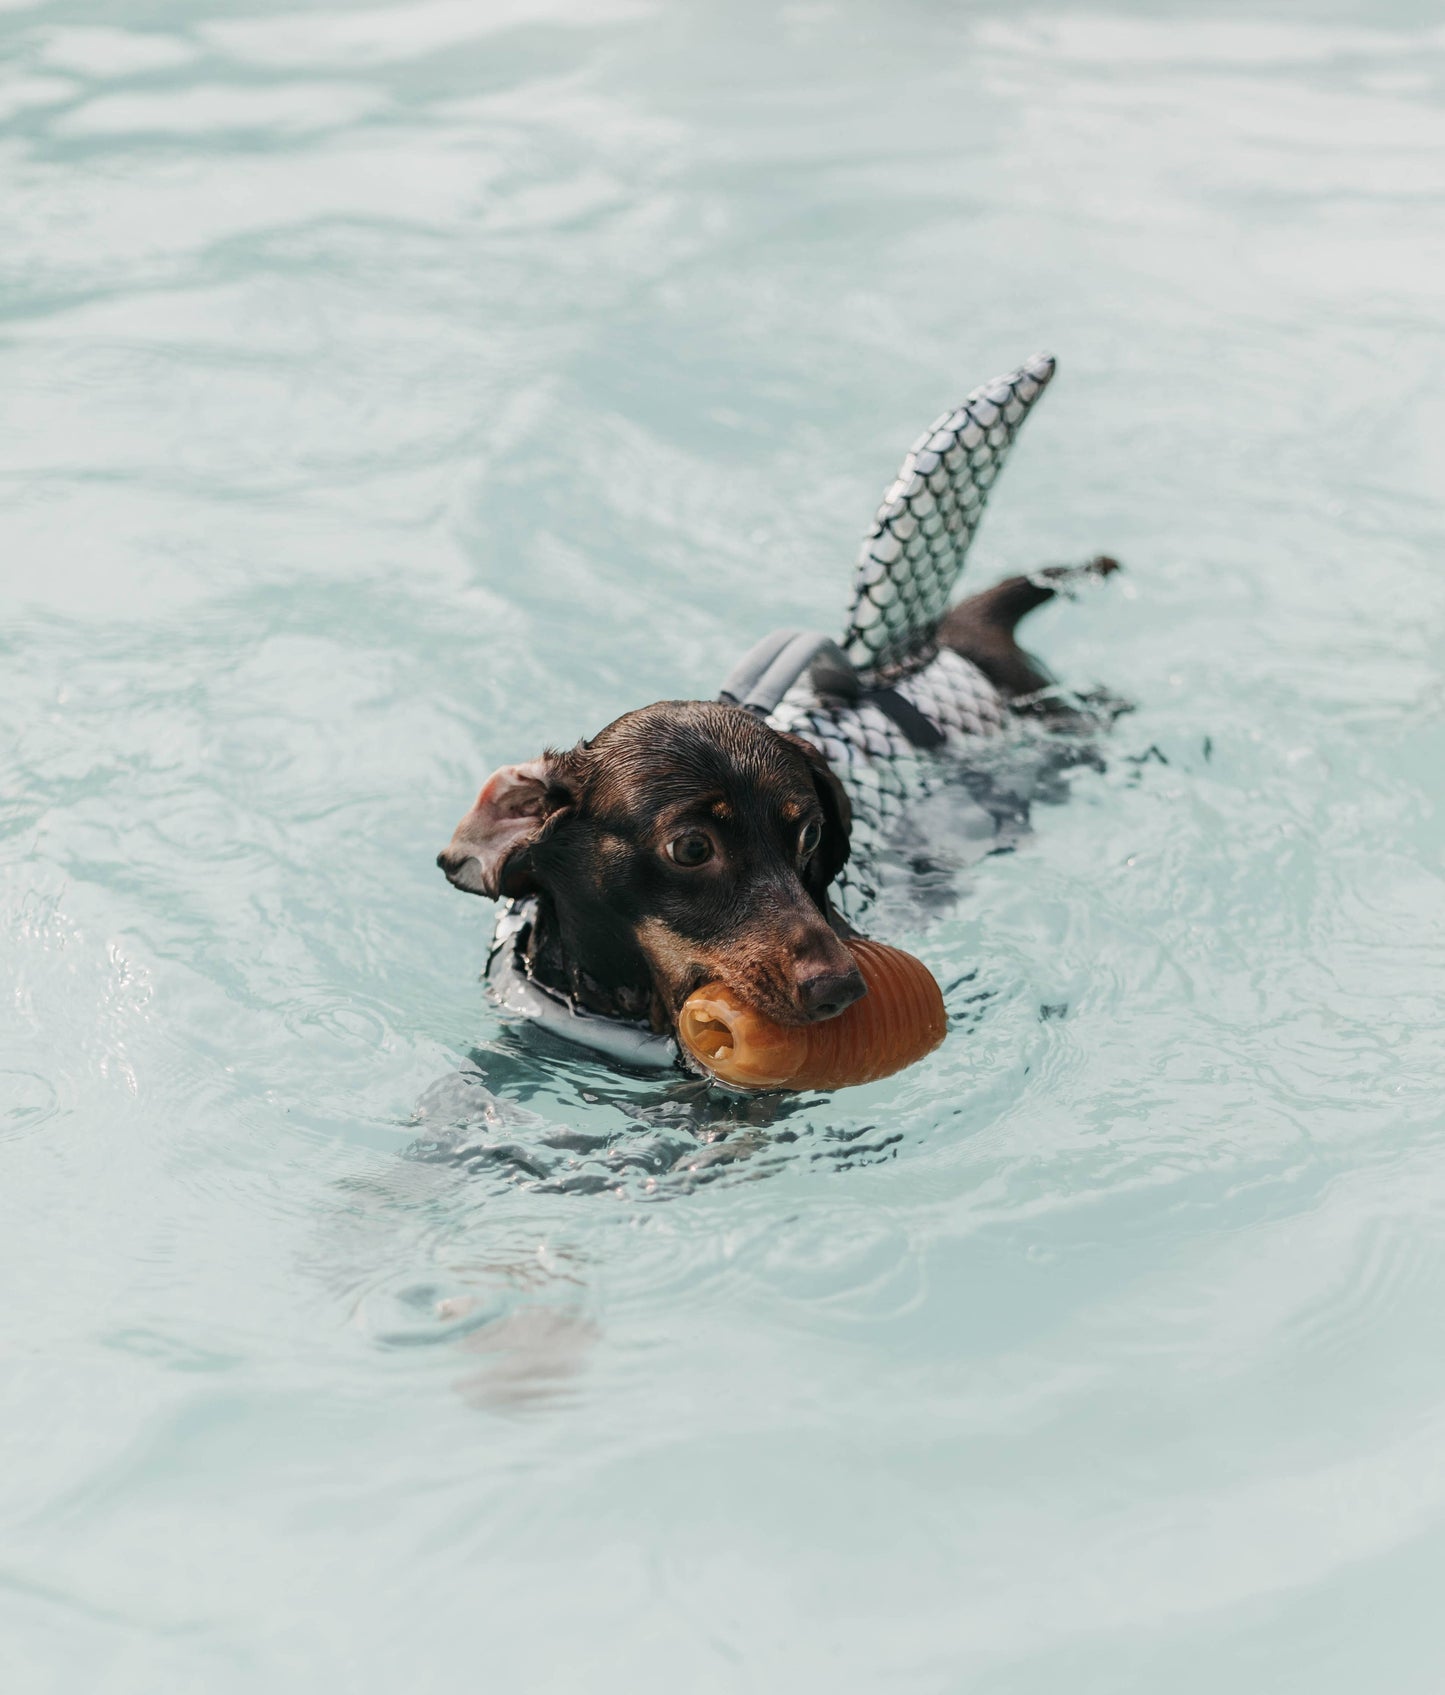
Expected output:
(386, 391)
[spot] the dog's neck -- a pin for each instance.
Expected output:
(603, 971)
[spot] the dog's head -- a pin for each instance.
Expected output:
(688, 840)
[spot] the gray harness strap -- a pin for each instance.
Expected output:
(774, 665)
(769, 669)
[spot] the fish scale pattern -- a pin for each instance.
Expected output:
(881, 770)
(905, 577)
(912, 555)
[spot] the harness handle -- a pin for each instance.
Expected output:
(769, 669)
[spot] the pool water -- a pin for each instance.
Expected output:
(387, 391)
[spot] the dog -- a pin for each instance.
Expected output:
(693, 841)
(687, 842)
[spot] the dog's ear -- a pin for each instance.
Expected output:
(832, 852)
(518, 805)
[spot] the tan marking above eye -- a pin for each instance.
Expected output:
(793, 810)
(721, 810)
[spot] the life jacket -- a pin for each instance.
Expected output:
(885, 705)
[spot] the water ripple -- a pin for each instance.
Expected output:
(390, 391)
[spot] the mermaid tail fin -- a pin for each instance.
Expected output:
(915, 550)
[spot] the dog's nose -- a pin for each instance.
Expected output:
(830, 992)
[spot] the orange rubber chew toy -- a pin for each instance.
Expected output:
(900, 1019)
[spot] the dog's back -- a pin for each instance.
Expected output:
(911, 678)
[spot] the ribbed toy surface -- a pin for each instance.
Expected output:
(894, 1025)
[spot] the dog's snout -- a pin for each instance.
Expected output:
(823, 979)
(827, 993)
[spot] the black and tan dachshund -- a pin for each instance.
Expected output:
(689, 841)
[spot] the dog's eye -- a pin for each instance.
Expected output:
(692, 849)
(808, 838)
